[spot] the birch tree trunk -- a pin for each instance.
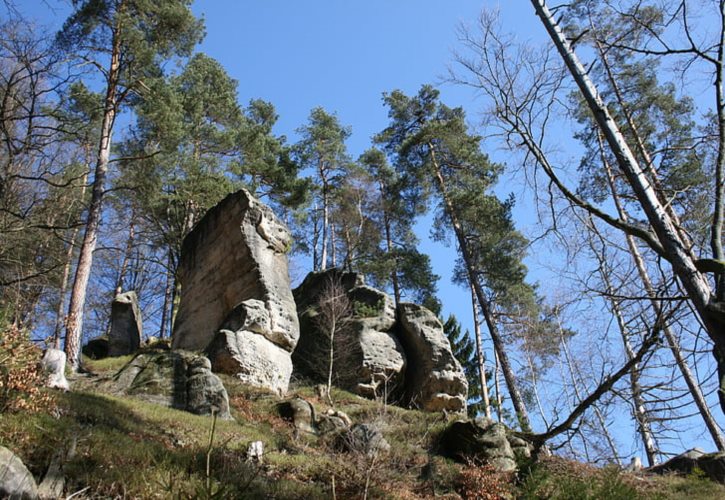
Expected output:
(670, 245)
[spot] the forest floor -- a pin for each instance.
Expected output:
(121, 447)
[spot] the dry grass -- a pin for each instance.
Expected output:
(127, 448)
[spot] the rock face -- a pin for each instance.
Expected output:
(178, 379)
(407, 357)
(236, 300)
(434, 378)
(251, 358)
(235, 253)
(96, 348)
(369, 360)
(126, 325)
(712, 464)
(300, 412)
(15, 479)
(53, 364)
(483, 439)
(364, 438)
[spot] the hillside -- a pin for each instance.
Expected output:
(122, 447)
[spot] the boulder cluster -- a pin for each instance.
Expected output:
(237, 308)
(399, 355)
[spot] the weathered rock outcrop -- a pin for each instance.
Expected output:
(483, 439)
(712, 464)
(251, 358)
(300, 412)
(96, 348)
(236, 300)
(407, 357)
(15, 479)
(126, 325)
(434, 379)
(177, 379)
(369, 360)
(238, 251)
(53, 365)
(364, 438)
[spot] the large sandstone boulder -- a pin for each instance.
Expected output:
(177, 379)
(300, 412)
(369, 360)
(126, 325)
(53, 365)
(236, 300)
(251, 358)
(434, 379)
(484, 440)
(237, 252)
(15, 479)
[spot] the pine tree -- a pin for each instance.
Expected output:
(127, 40)
(322, 150)
(430, 143)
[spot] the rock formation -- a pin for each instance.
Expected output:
(15, 479)
(712, 464)
(434, 380)
(483, 439)
(96, 348)
(364, 438)
(251, 358)
(300, 412)
(177, 379)
(408, 357)
(238, 251)
(53, 364)
(236, 300)
(372, 360)
(126, 325)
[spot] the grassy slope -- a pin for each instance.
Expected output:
(130, 448)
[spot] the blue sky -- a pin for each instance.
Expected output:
(342, 55)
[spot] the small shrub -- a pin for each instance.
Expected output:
(483, 482)
(21, 379)
(363, 310)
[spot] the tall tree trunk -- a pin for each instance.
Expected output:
(333, 246)
(325, 216)
(126, 256)
(497, 387)
(389, 247)
(671, 247)
(522, 414)
(640, 411)
(74, 324)
(60, 319)
(672, 342)
(168, 290)
(315, 239)
(349, 253)
(479, 355)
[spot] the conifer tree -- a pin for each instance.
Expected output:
(430, 142)
(126, 40)
(322, 150)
